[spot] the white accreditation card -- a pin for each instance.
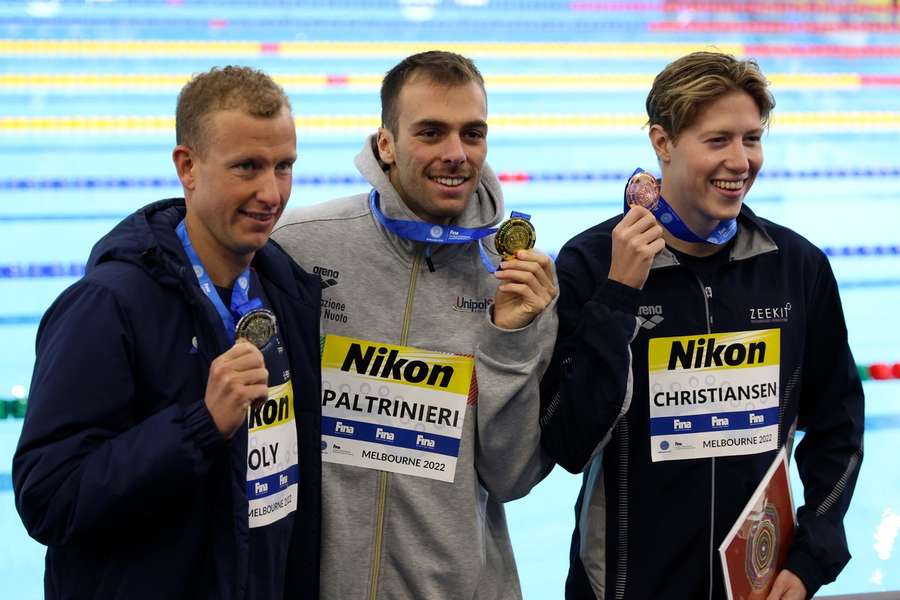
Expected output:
(272, 468)
(393, 408)
(714, 394)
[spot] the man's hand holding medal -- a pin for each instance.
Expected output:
(238, 378)
(527, 284)
(638, 237)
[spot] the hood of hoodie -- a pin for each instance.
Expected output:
(485, 209)
(146, 238)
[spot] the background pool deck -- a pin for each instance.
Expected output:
(87, 94)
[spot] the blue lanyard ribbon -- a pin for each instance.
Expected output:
(429, 233)
(241, 303)
(666, 215)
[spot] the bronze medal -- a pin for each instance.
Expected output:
(643, 190)
(513, 235)
(257, 327)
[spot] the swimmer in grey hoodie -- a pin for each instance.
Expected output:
(398, 521)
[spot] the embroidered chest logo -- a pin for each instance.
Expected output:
(474, 305)
(328, 277)
(331, 310)
(650, 316)
(771, 314)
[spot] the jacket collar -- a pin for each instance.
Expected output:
(485, 208)
(751, 239)
(147, 239)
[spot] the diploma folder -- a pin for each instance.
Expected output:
(754, 551)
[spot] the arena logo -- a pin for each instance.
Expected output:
(650, 316)
(473, 305)
(328, 277)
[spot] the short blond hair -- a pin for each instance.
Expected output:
(227, 88)
(694, 81)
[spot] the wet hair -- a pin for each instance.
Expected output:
(227, 88)
(438, 66)
(685, 87)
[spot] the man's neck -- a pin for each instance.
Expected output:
(701, 228)
(698, 249)
(221, 266)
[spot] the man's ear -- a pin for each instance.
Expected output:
(662, 142)
(183, 157)
(386, 146)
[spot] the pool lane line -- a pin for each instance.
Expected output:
(810, 8)
(830, 121)
(57, 269)
(181, 49)
(507, 177)
(588, 81)
(771, 27)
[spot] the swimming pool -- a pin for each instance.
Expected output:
(87, 90)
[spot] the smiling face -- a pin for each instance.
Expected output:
(237, 187)
(709, 169)
(437, 153)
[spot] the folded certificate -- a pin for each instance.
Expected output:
(754, 551)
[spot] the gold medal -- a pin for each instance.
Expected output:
(513, 235)
(257, 327)
(642, 190)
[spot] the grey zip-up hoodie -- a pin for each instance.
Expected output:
(394, 536)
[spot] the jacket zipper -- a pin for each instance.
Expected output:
(707, 296)
(383, 475)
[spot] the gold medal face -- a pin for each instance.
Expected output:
(642, 190)
(257, 327)
(514, 234)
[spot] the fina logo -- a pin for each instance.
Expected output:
(436, 231)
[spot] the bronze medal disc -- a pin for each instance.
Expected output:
(257, 327)
(643, 190)
(515, 234)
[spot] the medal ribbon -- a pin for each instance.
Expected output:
(429, 233)
(241, 303)
(669, 219)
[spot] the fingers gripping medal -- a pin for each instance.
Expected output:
(516, 233)
(642, 189)
(257, 327)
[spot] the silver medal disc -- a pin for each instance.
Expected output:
(257, 327)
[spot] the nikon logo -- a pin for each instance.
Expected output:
(706, 353)
(379, 362)
(273, 410)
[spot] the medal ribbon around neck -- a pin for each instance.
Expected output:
(653, 201)
(429, 233)
(241, 303)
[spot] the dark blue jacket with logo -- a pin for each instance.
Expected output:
(651, 530)
(120, 469)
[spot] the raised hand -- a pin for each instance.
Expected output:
(525, 290)
(237, 379)
(635, 241)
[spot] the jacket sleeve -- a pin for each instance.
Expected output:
(508, 366)
(829, 455)
(85, 464)
(588, 386)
